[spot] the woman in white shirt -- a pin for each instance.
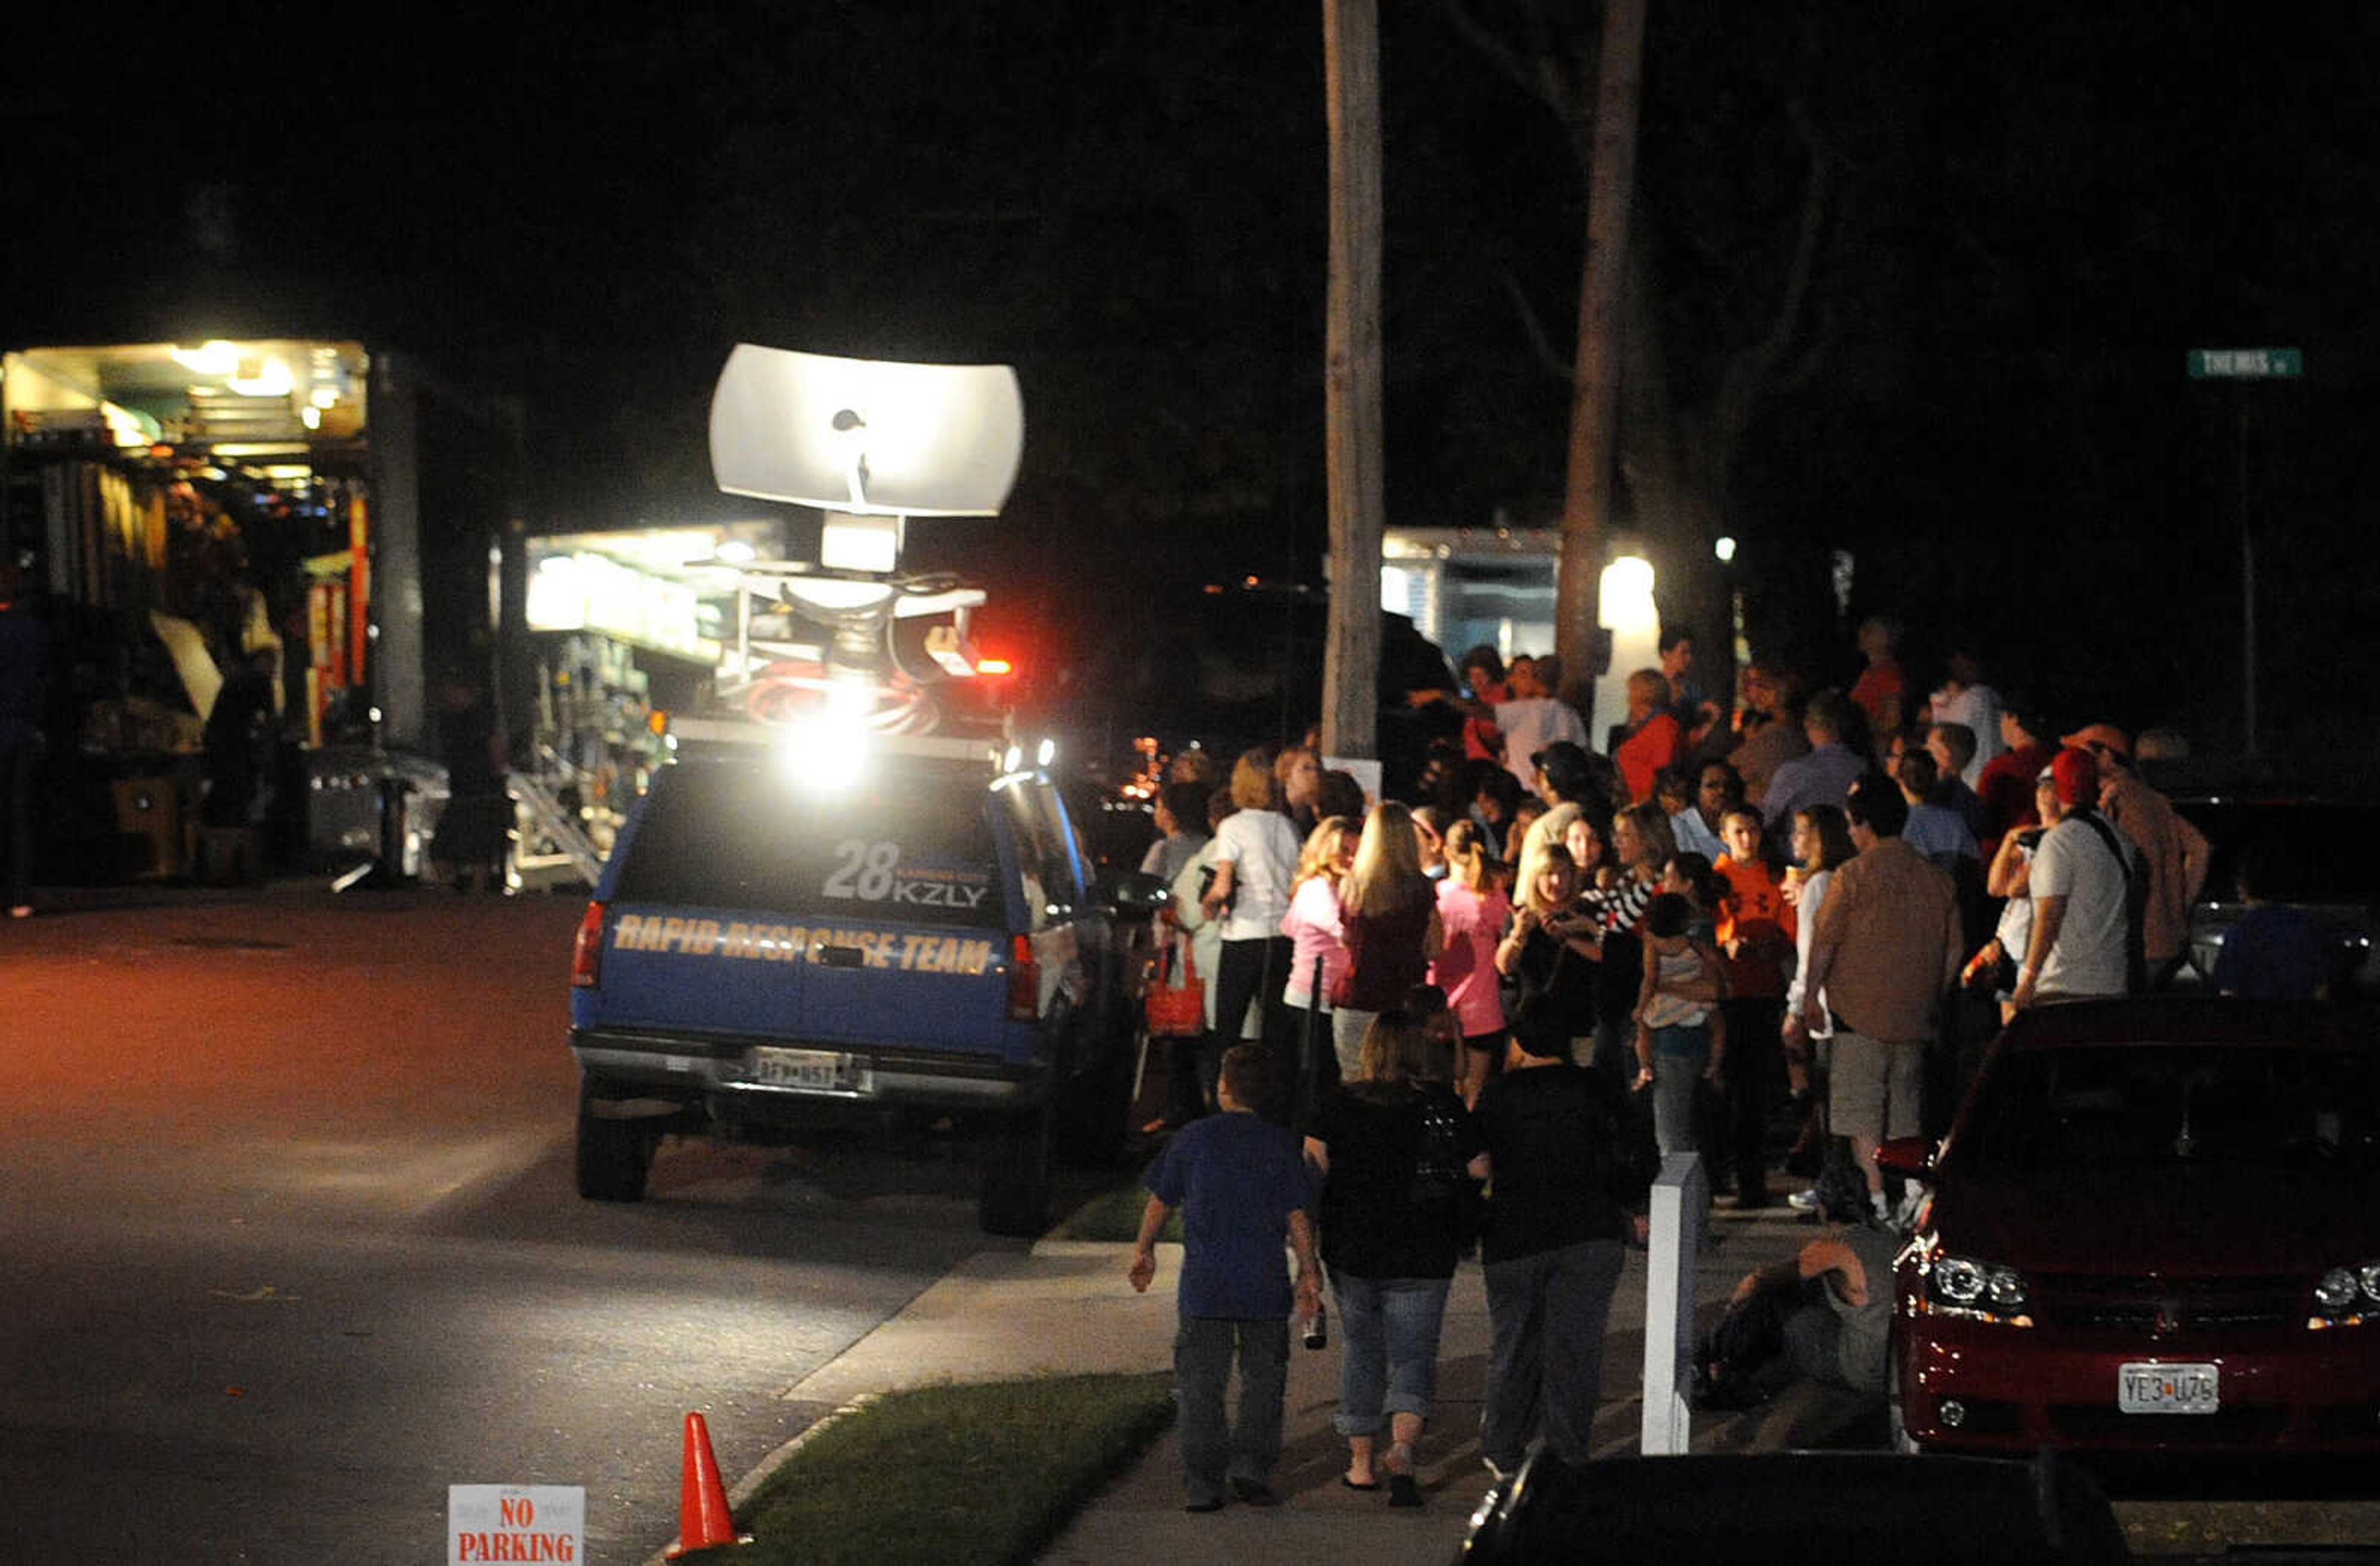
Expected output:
(1256, 865)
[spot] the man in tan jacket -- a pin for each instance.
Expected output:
(1885, 952)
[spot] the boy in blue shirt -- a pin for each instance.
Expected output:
(1241, 1186)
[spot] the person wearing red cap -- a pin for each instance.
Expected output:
(2086, 884)
(2175, 850)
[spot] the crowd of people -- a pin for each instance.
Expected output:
(1776, 931)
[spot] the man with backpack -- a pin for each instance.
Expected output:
(2088, 890)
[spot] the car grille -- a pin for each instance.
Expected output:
(2162, 1306)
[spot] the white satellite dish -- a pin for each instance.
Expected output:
(865, 436)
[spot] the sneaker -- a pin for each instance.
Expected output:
(1904, 1216)
(1882, 1206)
(1804, 1201)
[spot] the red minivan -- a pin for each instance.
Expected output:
(2155, 1226)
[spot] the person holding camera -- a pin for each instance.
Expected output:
(1550, 957)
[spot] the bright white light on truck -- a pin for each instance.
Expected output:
(826, 753)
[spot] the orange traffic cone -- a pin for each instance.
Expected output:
(702, 1519)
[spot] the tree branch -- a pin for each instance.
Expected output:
(1550, 360)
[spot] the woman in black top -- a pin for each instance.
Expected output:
(1550, 956)
(1642, 842)
(1393, 1146)
(1569, 1166)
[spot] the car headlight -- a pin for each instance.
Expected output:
(1985, 1291)
(2347, 1296)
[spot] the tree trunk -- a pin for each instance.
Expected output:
(1586, 501)
(1351, 664)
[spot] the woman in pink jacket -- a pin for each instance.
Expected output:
(1473, 911)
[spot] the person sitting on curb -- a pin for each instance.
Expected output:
(1820, 1315)
(1241, 1186)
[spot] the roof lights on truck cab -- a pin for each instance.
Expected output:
(1012, 761)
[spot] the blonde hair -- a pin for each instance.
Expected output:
(1466, 855)
(1320, 855)
(1387, 874)
(1253, 787)
(1651, 685)
(1534, 865)
(1653, 832)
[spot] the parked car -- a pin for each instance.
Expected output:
(2320, 855)
(2151, 1228)
(1794, 1506)
(781, 935)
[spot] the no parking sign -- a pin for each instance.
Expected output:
(515, 1523)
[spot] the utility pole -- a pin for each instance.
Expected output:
(1351, 663)
(1594, 389)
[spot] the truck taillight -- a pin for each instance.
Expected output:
(587, 952)
(1024, 980)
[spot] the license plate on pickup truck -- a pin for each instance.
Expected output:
(809, 1071)
(2166, 1389)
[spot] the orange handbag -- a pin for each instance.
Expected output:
(1176, 1011)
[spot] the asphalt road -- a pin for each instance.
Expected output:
(289, 1242)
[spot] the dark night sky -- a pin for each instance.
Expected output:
(2033, 215)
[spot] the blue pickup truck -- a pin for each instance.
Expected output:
(782, 931)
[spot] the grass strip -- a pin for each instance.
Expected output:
(1115, 1215)
(984, 1473)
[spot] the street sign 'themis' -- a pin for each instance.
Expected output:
(2246, 364)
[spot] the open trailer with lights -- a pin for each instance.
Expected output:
(324, 508)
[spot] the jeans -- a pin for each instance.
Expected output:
(1679, 1056)
(1388, 1360)
(1546, 1314)
(1348, 1026)
(1213, 1446)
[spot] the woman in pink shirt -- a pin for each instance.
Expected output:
(1316, 931)
(1473, 911)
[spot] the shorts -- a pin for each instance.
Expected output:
(1872, 1093)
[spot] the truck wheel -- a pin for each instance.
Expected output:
(614, 1156)
(1014, 1195)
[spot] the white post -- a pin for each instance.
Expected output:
(1680, 1198)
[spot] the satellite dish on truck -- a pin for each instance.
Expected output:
(865, 435)
(870, 444)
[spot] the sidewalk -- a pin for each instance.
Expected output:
(1066, 1308)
